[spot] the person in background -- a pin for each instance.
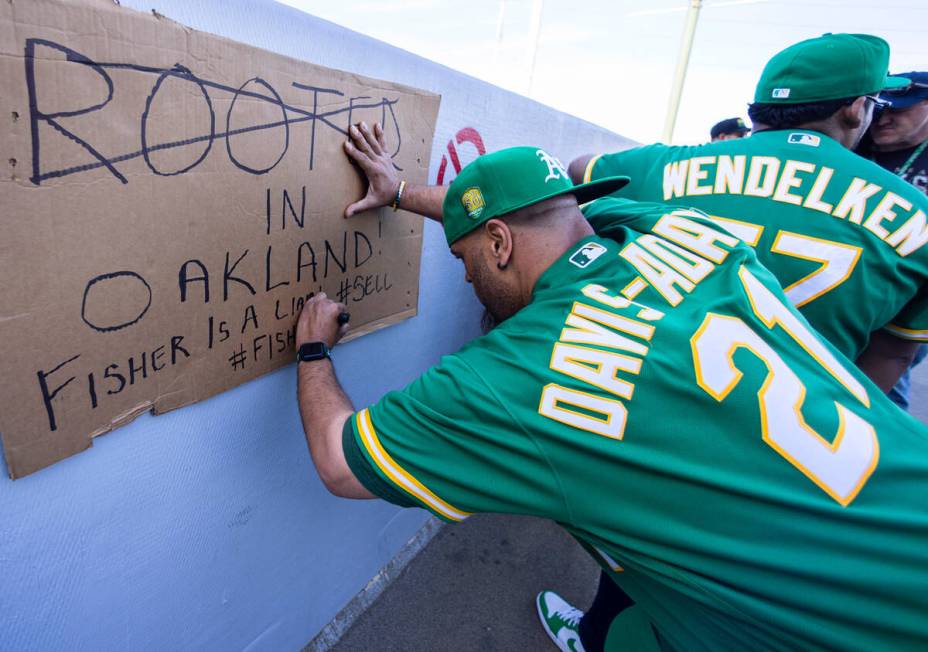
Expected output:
(898, 141)
(729, 129)
(899, 136)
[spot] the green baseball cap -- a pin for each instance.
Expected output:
(830, 67)
(510, 179)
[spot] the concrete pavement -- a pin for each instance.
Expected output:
(474, 587)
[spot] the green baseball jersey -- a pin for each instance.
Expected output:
(659, 397)
(845, 237)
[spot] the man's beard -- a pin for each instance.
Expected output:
(499, 301)
(487, 322)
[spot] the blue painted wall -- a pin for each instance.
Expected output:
(207, 528)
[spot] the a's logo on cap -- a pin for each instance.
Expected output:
(780, 93)
(803, 139)
(586, 254)
(556, 169)
(473, 203)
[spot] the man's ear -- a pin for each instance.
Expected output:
(500, 242)
(854, 114)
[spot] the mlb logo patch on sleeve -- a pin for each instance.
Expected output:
(804, 139)
(586, 254)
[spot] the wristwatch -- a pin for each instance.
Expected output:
(310, 351)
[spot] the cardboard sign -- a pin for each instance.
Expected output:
(170, 200)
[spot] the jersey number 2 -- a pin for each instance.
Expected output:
(840, 467)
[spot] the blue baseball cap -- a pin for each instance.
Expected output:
(915, 92)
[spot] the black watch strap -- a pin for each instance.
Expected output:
(310, 351)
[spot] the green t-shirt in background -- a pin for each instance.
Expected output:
(747, 485)
(845, 237)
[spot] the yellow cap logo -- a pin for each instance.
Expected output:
(472, 199)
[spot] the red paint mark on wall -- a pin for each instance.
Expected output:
(466, 135)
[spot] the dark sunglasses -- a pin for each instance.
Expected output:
(878, 105)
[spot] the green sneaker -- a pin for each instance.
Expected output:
(560, 620)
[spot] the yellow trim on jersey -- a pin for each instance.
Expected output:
(610, 562)
(588, 170)
(634, 288)
(907, 333)
(400, 477)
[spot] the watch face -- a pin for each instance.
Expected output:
(312, 351)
